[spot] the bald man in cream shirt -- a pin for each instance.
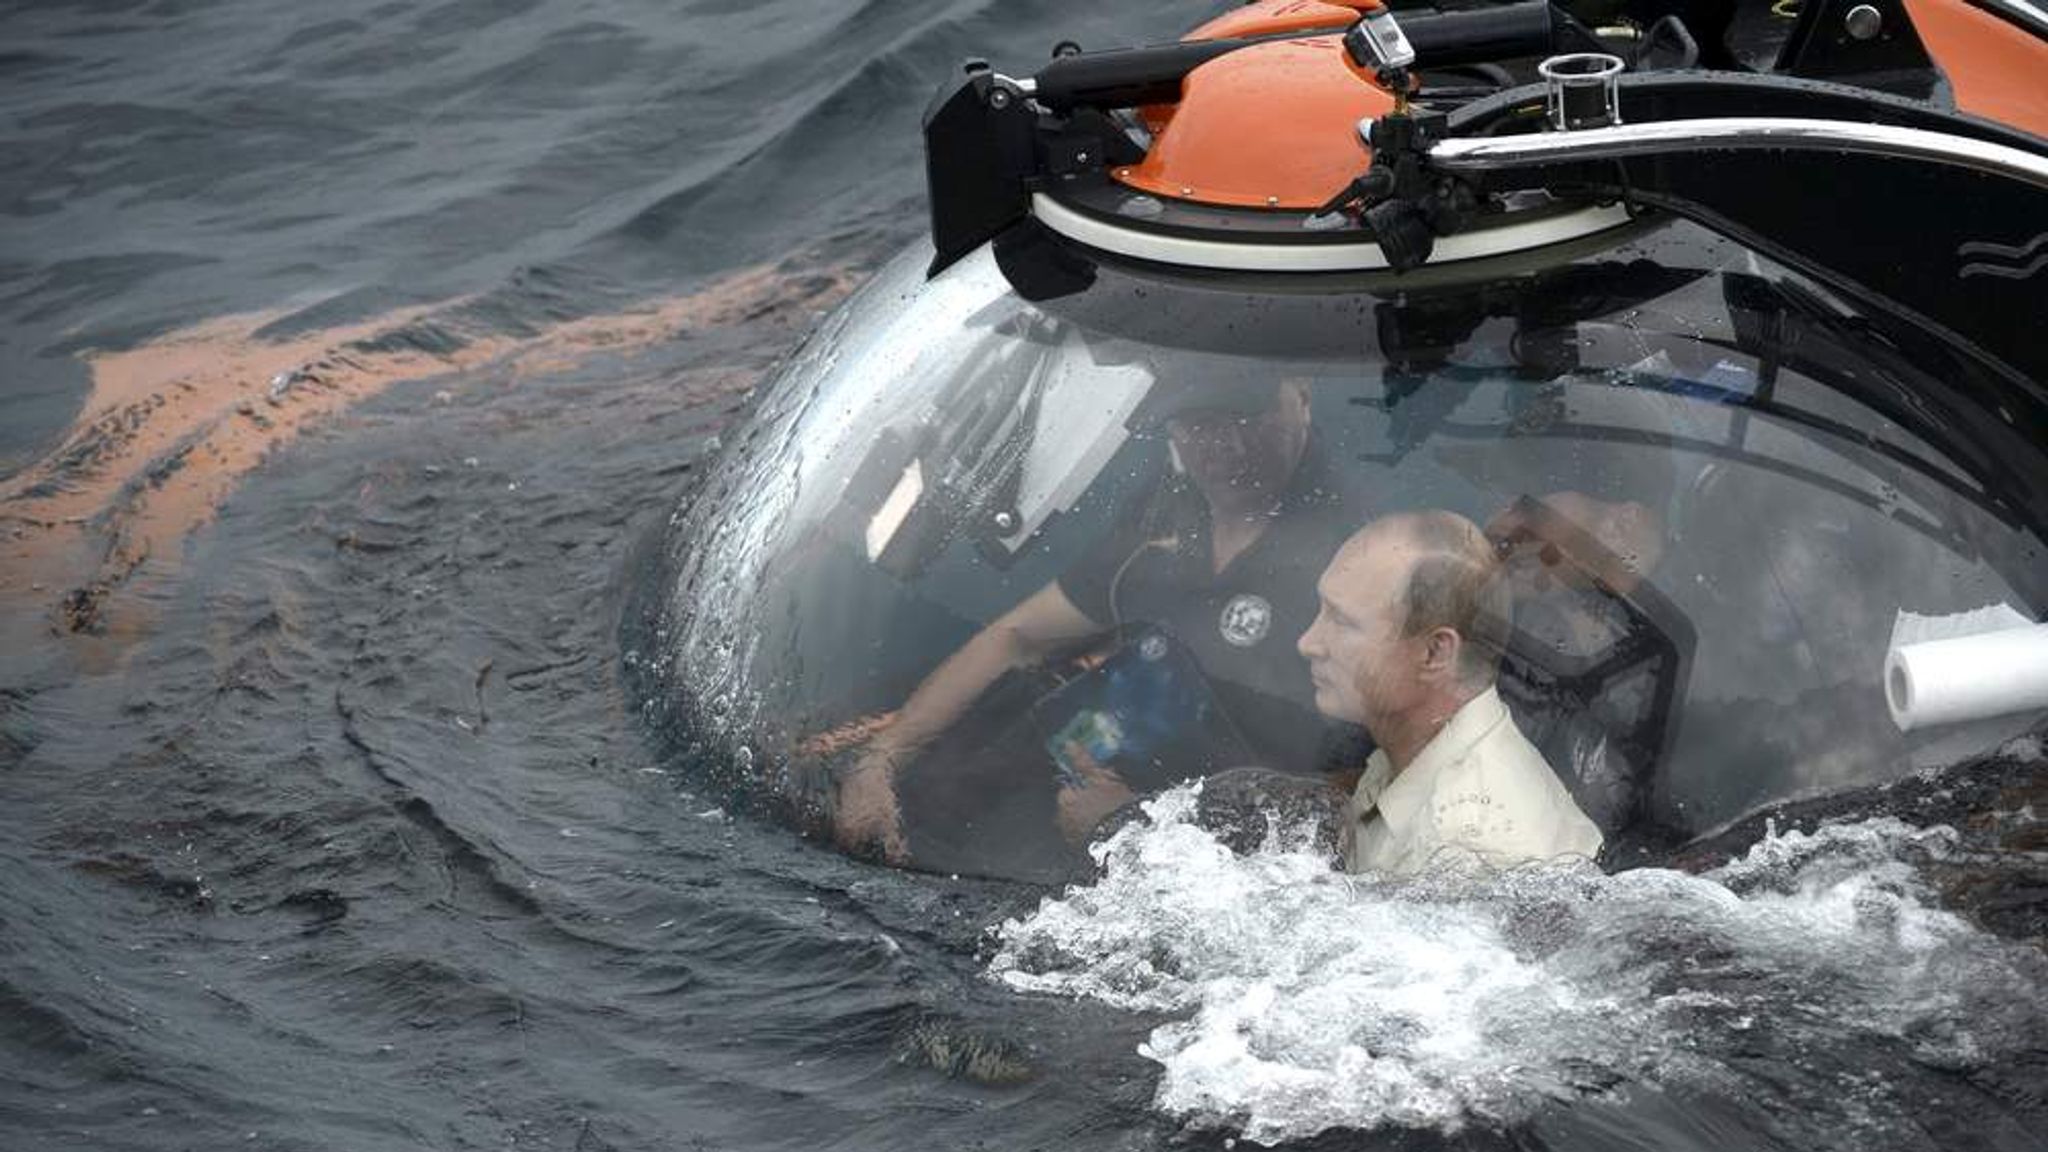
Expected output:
(1414, 614)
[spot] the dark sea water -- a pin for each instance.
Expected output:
(325, 820)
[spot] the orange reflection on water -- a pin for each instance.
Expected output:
(172, 426)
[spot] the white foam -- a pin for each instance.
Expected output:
(1309, 1000)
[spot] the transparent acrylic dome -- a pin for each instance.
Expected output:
(1717, 489)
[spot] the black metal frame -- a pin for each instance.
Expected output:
(1896, 235)
(1903, 236)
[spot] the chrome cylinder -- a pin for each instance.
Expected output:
(1583, 90)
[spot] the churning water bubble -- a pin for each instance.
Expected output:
(1307, 1000)
(743, 759)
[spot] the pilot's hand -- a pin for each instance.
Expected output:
(1100, 792)
(866, 814)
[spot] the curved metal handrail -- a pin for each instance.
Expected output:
(1728, 133)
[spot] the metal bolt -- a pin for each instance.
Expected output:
(1123, 173)
(1081, 157)
(1006, 522)
(1863, 22)
(999, 98)
(1187, 191)
(1272, 201)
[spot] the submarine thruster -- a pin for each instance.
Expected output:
(1722, 322)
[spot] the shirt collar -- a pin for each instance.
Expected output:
(1400, 798)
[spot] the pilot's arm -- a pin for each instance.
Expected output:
(1042, 625)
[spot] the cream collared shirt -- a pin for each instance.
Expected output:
(1477, 791)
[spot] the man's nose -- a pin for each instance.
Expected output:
(1311, 641)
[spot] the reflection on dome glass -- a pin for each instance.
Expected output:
(996, 567)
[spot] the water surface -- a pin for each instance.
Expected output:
(351, 364)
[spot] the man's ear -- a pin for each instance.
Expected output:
(1440, 652)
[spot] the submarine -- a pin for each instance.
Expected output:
(1724, 318)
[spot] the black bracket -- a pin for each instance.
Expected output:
(1400, 200)
(1871, 43)
(987, 148)
(978, 151)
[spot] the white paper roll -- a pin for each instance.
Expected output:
(1968, 677)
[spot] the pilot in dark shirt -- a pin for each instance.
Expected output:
(1218, 562)
(1156, 571)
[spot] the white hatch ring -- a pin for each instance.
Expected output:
(1361, 256)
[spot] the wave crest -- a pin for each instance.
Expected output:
(1308, 1000)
